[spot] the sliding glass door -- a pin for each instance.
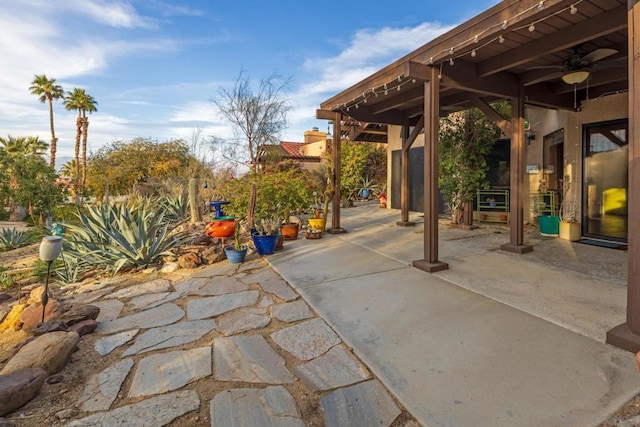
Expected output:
(605, 165)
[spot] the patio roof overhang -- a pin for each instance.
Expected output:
(517, 50)
(486, 58)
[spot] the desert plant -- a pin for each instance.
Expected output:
(71, 270)
(12, 238)
(121, 237)
(175, 207)
(6, 281)
(267, 227)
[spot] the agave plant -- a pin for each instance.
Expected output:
(121, 237)
(11, 238)
(176, 207)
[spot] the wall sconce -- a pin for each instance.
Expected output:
(50, 249)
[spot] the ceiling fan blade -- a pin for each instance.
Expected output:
(597, 55)
(546, 67)
(610, 63)
(534, 77)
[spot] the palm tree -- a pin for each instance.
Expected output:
(82, 102)
(47, 90)
(23, 146)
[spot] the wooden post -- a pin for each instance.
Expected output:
(337, 173)
(516, 190)
(430, 263)
(627, 335)
(404, 182)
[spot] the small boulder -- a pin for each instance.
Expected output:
(170, 267)
(19, 387)
(213, 255)
(85, 327)
(32, 315)
(5, 297)
(80, 313)
(12, 320)
(189, 260)
(50, 352)
(35, 296)
(52, 326)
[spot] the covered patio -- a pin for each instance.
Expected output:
(551, 53)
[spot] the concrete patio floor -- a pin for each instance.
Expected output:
(498, 339)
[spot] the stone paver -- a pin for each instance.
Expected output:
(106, 345)
(241, 321)
(170, 336)
(272, 406)
(165, 372)
(156, 411)
(291, 311)
(220, 286)
(163, 315)
(187, 286)
(103, 388)
(143, 301)
(217, 269)
(306, 340)
(337, 368)
(151, 287)
(203, 308)
(365, 404)
(109, 309)
(270, 282)
(249, 359)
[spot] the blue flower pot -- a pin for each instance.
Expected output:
(265, 245)
(234, 256)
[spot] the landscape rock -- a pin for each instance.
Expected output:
(12, 320)
(19, 387)
(213, 255)
(85, 327)
(239, 407)
(35, 296)
(5, 297)
(65, 414)
(32, 314)
(51, 326)
(50, 352)
(109, 309)
(80, 313)
(169, 267)
(189, 260)
(55, 379)
(156, 411)
(6, 423)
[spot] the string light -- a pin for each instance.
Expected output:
(573, 9)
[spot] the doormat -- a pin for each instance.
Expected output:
(611, 245)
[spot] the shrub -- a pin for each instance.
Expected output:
(11, 238)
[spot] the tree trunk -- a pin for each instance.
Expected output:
(54, 140)
(85, 131)
(76, 182)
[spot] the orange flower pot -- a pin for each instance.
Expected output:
(221, 228)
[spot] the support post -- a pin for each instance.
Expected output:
(430, 263)
(627, 335)
(516, 190)
(404, 182)
(337, 174)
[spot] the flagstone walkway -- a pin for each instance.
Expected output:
(232, 345)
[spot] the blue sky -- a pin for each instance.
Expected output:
(154, 65)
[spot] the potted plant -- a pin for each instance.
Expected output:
(265, 236)
(288, 229)
(319, 222)
(367, 185)
(237, 252)
(569, 224)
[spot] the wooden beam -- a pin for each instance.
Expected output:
(589, 29)
(404, 182)
(627, 335)
(337, 176)
(492, 114)
(365, 114)
(516, 185)
(414, 134)
(417, 70)
(325, 114)
(463, 75)
(397, 99)
(430, 262)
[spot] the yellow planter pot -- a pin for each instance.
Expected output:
(318, 224)
(570, 231)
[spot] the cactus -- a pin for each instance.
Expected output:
(193, 201)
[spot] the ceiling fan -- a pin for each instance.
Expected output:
(576, 68)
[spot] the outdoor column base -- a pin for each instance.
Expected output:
(430, 267)
(516, 249)
(622, 337)
(336, 231)
(405, 223)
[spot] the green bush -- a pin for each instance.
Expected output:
(276, 190)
